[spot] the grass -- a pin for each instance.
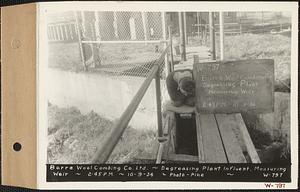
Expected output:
(74, 138)
(66, 56)
(267, 46)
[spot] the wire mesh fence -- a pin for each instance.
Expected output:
(121, 47)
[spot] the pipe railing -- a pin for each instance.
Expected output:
(108, 145)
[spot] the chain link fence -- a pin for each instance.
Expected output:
(120, 47)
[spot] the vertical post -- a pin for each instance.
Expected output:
(97, 36)
(262, 21)
(97, 26)
(164, 34)
(57, 32)
(185, 28)
(144, 18)
(66, 32)
(212, 35)
(61, 32)
(182, 37)
(77, 27)
(71, 31)
(198, 26)
(50, 32)
(221, 24)
(115, 24)
(171, 49)
(158, 105)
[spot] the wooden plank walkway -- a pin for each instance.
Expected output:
(217, 141)
(211, 139)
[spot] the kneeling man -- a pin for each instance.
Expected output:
(181, 87)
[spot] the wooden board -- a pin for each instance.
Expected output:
(232, 147)
(199, 140)
(183, 158)
(169, 146)
(235, 86)
(247, 139)
(18, 93)
(182, 109)
(212, 145)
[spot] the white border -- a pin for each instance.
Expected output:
(157, 6)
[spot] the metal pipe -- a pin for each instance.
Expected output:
(182, 37)
(164, 36)
(171, 49)
(221, 20)
(158, 104)
(145, 19)
(108, 145)
(212, 36)
(80, 42)
(185, 28)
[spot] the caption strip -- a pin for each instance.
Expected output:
(169, 172)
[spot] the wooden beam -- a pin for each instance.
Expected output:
(212, 144)
(226, 124)
(172, 135)
(199, 140)
(183, 158)
(168, 132)
(247, 139)
(160, 152)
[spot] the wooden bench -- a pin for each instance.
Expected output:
(221, 138)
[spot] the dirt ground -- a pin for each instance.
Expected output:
(74, 138)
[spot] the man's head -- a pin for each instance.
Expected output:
(187, 86)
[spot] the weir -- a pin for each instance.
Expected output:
(216, 133)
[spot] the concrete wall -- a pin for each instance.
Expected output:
(106, 95)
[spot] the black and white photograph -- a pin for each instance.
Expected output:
(194, 91)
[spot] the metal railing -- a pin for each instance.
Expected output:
(103, 153)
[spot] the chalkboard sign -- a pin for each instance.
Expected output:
(235, 86)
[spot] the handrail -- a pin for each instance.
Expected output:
(103, 153)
